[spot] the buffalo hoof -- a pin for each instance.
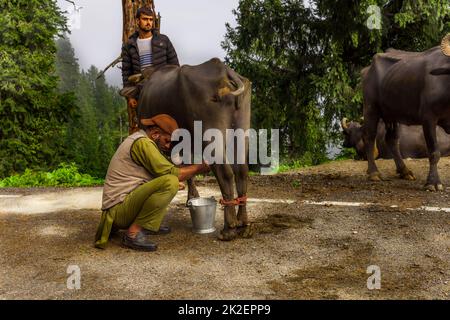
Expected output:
(228, 235)
(433, 188)
(407, 174)
(246, 231)
(375, 176)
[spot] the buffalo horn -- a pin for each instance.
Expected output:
(344, 123)
(235, 78)
(445, 45)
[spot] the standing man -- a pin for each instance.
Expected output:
(144, 49)
(140, 184)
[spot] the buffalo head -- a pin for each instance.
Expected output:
(353, 136)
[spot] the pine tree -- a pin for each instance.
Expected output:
(32, 113)
(67, 67)
(83, 133)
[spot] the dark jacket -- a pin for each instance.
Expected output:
(163, 54)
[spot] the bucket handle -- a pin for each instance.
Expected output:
(189, 202)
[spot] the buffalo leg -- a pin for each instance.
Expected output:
(240, 178)
(393, 142)
(433, 180)
(369, 136)
(224, 175)
(192, 189)
(242, 120)
(241, 181)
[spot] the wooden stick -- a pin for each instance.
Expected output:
(112, 64)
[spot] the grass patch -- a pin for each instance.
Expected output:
(307, 160)
(288, 164)
(66, 175)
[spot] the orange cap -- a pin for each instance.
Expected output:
(163, 121)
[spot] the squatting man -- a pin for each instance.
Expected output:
(140, 184)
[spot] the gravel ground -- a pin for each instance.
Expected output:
(298, 251)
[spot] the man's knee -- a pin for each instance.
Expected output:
(171, 183)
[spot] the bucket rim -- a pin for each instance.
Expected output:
(190, 204)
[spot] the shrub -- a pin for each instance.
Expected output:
(66, 175)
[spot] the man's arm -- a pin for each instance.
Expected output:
(188, 172)
(127, 71)
(145, 153)
(127, 66)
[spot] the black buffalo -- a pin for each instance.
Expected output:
(219, 97)
(411, 88)
(411, 139)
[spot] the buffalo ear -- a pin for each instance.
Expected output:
(440, 71)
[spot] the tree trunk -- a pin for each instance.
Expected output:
(129, 9)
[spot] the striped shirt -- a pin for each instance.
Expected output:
(145, 52)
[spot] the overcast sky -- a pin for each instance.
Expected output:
(195, 27)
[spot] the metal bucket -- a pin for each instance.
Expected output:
(203, 214)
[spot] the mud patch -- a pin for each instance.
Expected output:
(336, 280)
(346, 277)
(279, 222)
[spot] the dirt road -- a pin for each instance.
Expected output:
(303, 247)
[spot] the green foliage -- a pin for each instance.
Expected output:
(305, 61)
(66, 175)
(50, 112)
(32, 113)
(346, 153)
(269, 47)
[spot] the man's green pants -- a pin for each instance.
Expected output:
(145, 206)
